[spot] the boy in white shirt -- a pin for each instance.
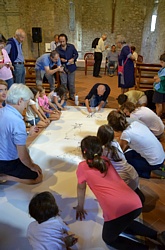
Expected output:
(48, 232)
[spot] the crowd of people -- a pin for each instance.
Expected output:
(110, 167)
(63, 56)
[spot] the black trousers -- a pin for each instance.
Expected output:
(17, 169)
(126, 224)
(98, 58)
(140, 194)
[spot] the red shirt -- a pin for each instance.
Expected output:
(115, 197)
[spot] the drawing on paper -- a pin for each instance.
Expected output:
(72, 133)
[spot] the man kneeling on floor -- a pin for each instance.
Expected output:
(97, 97)
(15, 162)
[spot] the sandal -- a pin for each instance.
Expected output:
(160, 173)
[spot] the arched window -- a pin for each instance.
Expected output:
(154, 15)
(71, 16)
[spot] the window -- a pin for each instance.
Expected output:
(153, 22)
(154, 16)
(71, 16)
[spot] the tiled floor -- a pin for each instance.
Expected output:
(154, 189)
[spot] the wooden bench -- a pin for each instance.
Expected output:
(144, 74)
(30, 72)
(46, 86)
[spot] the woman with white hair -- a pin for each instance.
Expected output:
(126, 78)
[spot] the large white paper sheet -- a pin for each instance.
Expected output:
(57, 151)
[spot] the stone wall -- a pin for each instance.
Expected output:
(153, 42)
(51, 15)
(97, 19)
(92, 18)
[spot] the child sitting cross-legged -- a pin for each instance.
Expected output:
(49, 109)
(48, 231)
(34, 113)
(57, 96)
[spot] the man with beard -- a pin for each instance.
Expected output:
(68, 55)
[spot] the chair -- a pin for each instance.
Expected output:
(106, 68)
(89, 60)
(140, 59)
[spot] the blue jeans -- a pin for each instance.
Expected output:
(68, 80)
(9, 82)
(111, 67)
(95, 101)
(140, 164)
(19, 73)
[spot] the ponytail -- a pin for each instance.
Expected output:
(92, 151)
(106, 136)
(98, 163)
(113, 151)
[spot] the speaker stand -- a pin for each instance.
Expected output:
(38, 49)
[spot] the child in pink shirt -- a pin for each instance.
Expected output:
(5, 65)
(49, 109)
(120, 204)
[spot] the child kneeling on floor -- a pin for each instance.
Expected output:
(48, 231)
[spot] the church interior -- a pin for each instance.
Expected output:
(57, 148)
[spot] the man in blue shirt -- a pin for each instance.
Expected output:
(44, 65)
(68, 55)
(14, 50)
(15, 161)
(112, 58)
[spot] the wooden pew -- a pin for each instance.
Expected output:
(32, 60)
(30, 72)
(144, 74)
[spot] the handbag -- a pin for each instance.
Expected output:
(121, 68)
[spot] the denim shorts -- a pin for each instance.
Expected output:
(37, 119)
(47, 114)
